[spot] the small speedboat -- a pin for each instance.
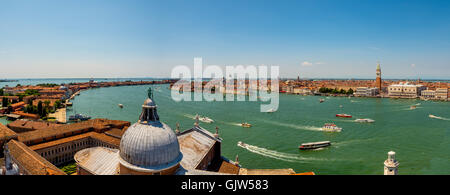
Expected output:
(344, 115)
(314, 145)
(432, 116)
(413, 107)
(330, 127)
(120, 105)
(205, 119)
(247, 125)
(270, 110)
(364, 120)
(241, 144)
(321, 100)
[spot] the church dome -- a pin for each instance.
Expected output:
(149, 145)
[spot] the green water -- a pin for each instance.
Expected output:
(422, 144)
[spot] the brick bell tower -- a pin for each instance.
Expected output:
(378, 81)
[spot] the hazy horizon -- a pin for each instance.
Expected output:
(147, 38)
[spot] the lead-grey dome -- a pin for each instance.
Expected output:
(149, 144)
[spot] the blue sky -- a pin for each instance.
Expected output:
(147, 38)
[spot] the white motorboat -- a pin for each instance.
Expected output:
(330, 127)
(364, 120)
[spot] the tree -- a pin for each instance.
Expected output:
(40, 108)
(58, 104)
(350, 91)
(4, 102)
(1, 92)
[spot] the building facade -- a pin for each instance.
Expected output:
(366, 92)
(405, 90)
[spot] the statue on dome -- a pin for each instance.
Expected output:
(150, 93)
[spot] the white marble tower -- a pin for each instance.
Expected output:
(391, 165)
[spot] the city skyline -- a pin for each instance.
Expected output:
(310, 39)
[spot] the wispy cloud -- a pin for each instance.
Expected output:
(306, 63)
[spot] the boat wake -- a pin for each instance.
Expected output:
(189, 116)
(438, 117)
(301, 127)
(275, 154)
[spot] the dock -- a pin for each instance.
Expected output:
(59, 115)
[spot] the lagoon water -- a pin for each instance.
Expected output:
(422, 144)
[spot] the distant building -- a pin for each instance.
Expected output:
(302, 91)
(442, 94)
(428, 94)
(378, 80)
(405, 90)
(366, 91)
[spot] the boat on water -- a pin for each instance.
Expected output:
(344, 115)
(270, 110)
(205, 119)
(432, 116)
(241, 144)
(364, 120)
(120, 105)
(247, 125)
(412, 107)
(330, 127)
(314, 145)
(321, 100)
(80, 117)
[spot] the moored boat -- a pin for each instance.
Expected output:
(344, 115)
(80, 117)
(314, 145)
(330, 127)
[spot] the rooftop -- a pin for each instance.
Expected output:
(94, 124)
(6, 133)
(99, 160)
(31, 162)
(32, 125)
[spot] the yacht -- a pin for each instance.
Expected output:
(330, 127)
(314, 145)
(364, 120)
(80, 117)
